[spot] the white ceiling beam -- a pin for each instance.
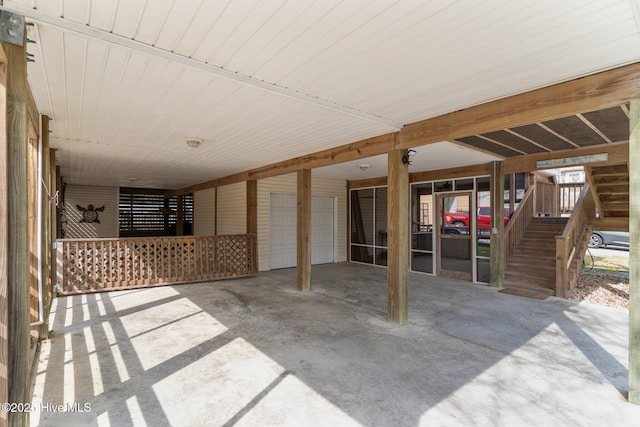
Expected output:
(85, 30)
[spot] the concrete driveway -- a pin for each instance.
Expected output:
(256, 352)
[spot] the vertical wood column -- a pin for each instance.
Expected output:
(634, 253)
(18, 243)
(45, 212)
(304, 230)
(252, 206)
(397, 237)
(497, 223)
(53, 212)
(4, 257)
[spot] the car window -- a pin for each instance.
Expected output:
(483, 211)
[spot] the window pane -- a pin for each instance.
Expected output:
(381, 217)
(464, 184)
(422, 262)
(484, 270)
(381, 256)
(362, 216)
(362, 254)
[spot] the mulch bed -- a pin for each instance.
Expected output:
(602, 287)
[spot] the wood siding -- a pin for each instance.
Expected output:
(204, 212)
(286, 184)
(90, 195)
(232, 209)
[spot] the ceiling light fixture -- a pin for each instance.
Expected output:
(133, 179)
(194, 142)
(363, 167)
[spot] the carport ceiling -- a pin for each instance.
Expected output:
(264, 81)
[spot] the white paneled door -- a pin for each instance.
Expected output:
(283, 230)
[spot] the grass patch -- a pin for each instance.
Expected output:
(607, 263)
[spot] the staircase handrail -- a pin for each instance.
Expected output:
(573, 234)
(519, 220)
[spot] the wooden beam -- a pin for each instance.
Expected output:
(304, 230)
(452, 173)
(32, 111)
(497, 224)
(634, 253)
(593, 189)
(252, 206)
(4, 257)
(617, 153)
(367, 183)
(597, 91)
(45, 231)
(18, 247)
(397, 237)
(434, 175)
(610, 223)
(344, 153)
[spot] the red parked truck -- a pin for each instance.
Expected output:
(461, 219)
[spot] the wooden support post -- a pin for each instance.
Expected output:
(512, 193)
(53, 209)
(45, 212)
(634, 254)
(18, 244)
(397, 236)
(4, 257)
(304, 230)
(252, 206)
(497, 223)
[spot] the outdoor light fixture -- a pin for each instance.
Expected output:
(194, 142)
(133, 179)
(363, 167)
(405, 158)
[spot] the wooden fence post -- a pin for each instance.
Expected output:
(18, 243)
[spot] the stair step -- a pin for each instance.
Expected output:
(529, 264)
(533, 251)
(531, 278)
(529, 287)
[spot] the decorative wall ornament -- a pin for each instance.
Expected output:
(90, 214)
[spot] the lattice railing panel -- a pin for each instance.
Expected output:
(90, 265)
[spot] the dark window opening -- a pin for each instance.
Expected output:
(147, 212)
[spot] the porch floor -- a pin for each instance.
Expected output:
(255, 351)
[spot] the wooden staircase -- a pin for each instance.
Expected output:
(532, 265)
(610, 188)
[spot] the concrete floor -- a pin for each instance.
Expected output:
(256, 352)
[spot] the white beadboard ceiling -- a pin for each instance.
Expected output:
(262, 81)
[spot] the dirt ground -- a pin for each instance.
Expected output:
(610, 288)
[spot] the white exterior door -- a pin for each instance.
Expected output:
(283, 230)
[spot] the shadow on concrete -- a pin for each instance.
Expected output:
(255, 351)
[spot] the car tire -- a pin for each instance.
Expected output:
(595, 241)
(459, 224)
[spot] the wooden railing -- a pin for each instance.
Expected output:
(518, 222)
(90, 265)
(568, 194)
(570, 246)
